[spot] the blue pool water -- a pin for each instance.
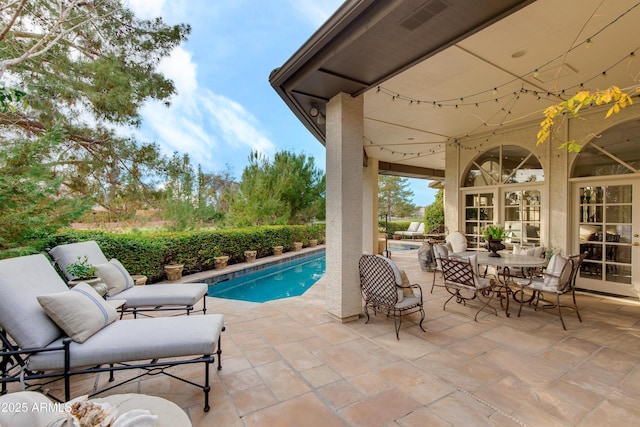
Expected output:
(393, 247)
(281, 281)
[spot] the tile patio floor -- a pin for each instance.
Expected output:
(287, 363)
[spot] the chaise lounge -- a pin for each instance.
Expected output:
(138, 298)
(49, 331)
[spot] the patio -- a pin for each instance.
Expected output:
(288, 363)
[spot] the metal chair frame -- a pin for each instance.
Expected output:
(380, 291)
(462, 282)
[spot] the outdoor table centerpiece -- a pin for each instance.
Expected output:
(493, 235)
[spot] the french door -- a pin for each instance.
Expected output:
(607, 227)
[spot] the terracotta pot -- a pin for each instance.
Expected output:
(277, 250)
(174, 271)
(220, 261)
(250, 256)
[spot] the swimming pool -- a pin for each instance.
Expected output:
(282, 281)
(394, 247)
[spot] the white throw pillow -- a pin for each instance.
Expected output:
(115, 276)
(554, 270)
(80, 312)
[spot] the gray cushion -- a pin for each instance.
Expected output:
(66, 254)
(166, 294)
(139, 339)
(22, 279)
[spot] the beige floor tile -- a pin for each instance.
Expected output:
(380, 410)
(306, 410)
(340, 394)
(288, 363)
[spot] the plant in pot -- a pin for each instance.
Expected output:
(83, 271)
(493, 234)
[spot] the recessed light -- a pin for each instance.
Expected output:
(519, 54)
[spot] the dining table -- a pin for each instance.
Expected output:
(504, 265)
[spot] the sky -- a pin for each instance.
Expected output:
(225, 106)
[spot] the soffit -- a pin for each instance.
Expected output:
(457, 59)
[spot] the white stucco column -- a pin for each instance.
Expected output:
(344, 205)
(370, 207)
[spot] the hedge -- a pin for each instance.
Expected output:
(392, 227)
(148, 253)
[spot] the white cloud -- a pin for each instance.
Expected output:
(179, 67)
(146, 9)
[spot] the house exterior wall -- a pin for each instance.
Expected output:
(556, 162)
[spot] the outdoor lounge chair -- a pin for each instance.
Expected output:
(413, 227)
(139, 298)
(383, 289)
(418, 233)
(86, 335)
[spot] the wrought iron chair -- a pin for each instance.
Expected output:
(382, 289)
(463, 283)
(558, 279)
(439, 252)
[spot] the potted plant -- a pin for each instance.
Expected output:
(277, 250)
(297, 246)
(493, 234)
(82, 270)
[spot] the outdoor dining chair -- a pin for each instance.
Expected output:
(462, 281)
(559, 278)
(383, 290)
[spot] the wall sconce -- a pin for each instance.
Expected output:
(315, 112)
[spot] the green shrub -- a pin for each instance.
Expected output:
(148, 253)
(392, 227)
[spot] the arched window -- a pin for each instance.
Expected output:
(615, 152)
(509, 196)
(507, 164)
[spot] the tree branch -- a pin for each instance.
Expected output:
(12, 21)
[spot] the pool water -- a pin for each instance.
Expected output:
(394, 247)
(281, 281)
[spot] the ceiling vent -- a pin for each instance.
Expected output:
(423, 14)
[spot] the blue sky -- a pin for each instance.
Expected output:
(225, 106)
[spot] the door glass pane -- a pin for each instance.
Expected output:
(619, 194)
(618, 213)
(479, 213)
(606, 238)
(522, 217)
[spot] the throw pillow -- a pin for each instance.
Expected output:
(406, 290)
(80, 312)
(115, 276)
(554, 272)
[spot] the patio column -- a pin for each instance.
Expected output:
(370, 207)
(344, 205)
